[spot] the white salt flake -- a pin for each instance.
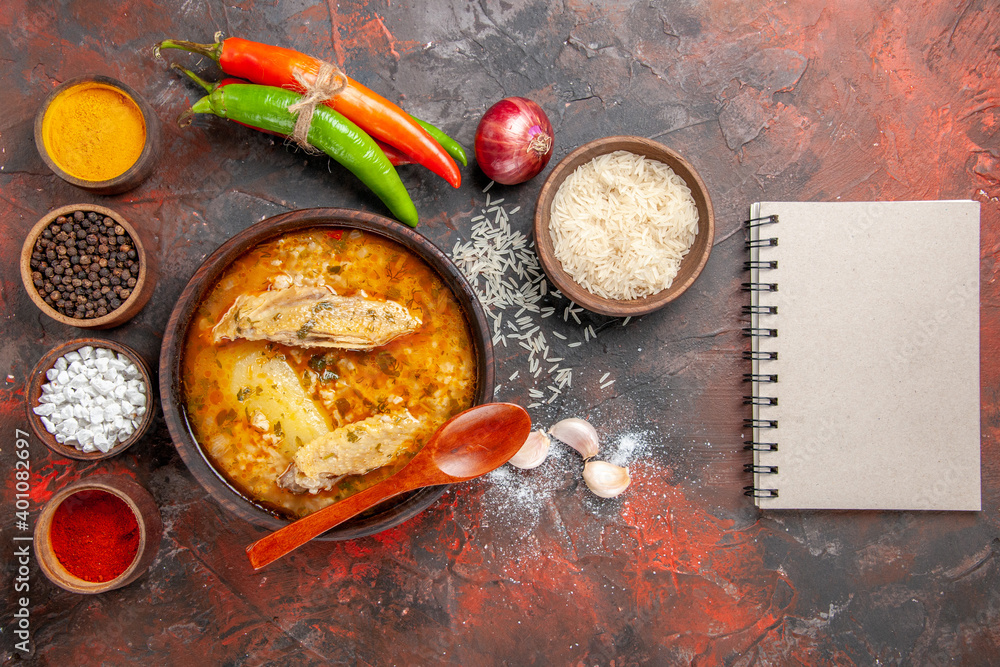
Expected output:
(102, 443)
(44, 410)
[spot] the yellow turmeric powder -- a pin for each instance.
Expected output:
(93, 131)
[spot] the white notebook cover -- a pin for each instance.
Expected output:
(878, 355)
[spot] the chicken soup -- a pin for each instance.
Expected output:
(320, 363)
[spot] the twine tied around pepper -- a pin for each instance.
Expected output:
(329, 81)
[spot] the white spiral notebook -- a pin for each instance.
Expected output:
(864, 360)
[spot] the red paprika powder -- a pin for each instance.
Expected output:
(95, 535)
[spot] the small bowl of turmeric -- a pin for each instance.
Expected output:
(98, 134)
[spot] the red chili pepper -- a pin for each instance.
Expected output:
(380, 118)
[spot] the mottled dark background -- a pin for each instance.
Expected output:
(855, 100)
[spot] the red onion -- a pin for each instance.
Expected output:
(513, 141)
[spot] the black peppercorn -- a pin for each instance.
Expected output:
(84, 265)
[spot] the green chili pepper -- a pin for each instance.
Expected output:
(266, 108)
(453, 147)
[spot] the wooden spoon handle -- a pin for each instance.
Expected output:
(272, 547)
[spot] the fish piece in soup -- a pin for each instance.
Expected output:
(314, 316)
(354, 449)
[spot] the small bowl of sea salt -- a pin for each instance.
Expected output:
(90, 399)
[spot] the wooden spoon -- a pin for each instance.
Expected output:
(468, 445)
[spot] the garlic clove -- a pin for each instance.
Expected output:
(605, 479)
(578, 434)
(532, 452)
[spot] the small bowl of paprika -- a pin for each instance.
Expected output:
(97, 534)
(98, 134)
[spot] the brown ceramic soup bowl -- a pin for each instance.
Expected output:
(225, 492)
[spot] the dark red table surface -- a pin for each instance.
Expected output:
(769, 100)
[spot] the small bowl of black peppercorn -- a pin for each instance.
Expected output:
(84, 265)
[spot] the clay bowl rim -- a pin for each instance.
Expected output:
(37, 379)
(131, 177)
(394, 511)
(692, 264)
(130, 307)
(147, 516)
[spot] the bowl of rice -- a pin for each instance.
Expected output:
(623, 226)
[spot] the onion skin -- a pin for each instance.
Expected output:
(513, 141)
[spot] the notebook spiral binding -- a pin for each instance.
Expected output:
(758, 359)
